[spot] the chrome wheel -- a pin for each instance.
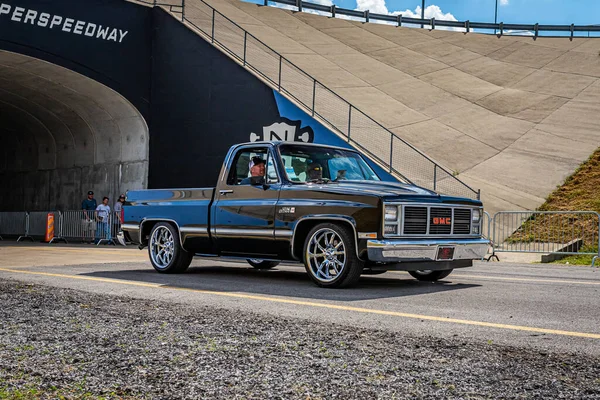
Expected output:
(255, 260)
(326, 255)
(162, 247)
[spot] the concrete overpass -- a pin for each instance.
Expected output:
(510, 115)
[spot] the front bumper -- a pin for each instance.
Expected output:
(411, 250)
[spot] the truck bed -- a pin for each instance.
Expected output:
(189, 207)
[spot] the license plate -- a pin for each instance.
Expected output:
(445, 253)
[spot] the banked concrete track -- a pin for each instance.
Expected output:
(513, 116)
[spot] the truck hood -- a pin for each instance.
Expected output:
(388, 191)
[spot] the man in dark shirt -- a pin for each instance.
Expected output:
(89, 203)
(89, 210)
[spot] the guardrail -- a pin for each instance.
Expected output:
(546, 232)
(79, 225)
(390, 151)
(15, 223)
(431, 23)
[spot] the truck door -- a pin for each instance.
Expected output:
(243, 216)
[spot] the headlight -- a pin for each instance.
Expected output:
(391, 213)
(476, 215)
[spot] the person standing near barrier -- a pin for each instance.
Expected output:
(103, 216)
(89, 206)
(117, 221)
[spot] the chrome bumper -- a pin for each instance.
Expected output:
(398, 250)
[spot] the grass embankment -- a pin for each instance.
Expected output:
(580, 192)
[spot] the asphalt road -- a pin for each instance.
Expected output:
(552, 308)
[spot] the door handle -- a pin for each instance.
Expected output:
(225, 191)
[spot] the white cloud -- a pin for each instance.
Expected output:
(380, 7)
(374, 6)
(503, 2)
(431, 11)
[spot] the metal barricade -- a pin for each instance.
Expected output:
(87, 226)
(14, 223)
(38, 221)
(557, 232)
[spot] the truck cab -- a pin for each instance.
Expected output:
(322, 206)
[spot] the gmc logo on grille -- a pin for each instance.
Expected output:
(442, 221)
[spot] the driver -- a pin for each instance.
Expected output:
(315, 172)
(257, 169)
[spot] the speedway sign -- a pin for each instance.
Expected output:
(60, 23)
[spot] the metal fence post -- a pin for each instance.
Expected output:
(399, 19)
(366, 15)
(245, 42)
(314, 95)
(391, 152)
(434, 177)
(279, 80)
(182, 10)
(598, 256)
(299, 5)
(333, 11)
(349, 121)
(212, 35)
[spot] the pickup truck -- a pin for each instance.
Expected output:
(319, 205)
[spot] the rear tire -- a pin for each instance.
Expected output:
(330, 256)
(262, 264)
(165, 251)
(430, 276)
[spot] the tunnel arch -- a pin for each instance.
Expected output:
(64, 134)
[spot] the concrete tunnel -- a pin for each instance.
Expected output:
(63, 134)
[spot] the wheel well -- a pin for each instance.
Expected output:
(146, 228)
(304, 227)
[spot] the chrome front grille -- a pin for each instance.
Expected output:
(415, 220)
(424, 220)
(462, 221)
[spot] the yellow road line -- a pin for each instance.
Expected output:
(321, 305)
(503, 278)
(527, 279)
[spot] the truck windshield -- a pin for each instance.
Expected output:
(324, 164)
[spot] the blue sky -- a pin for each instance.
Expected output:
(580, 12)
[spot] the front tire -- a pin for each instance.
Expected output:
(165, 251)
(330, 256)
(262, 264)
(430, 276)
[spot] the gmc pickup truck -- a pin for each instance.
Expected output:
(320, 205)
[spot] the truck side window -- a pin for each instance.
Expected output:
(247, 164)
(271, 171)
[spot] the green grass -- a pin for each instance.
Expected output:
(580, 259)
(579, 192)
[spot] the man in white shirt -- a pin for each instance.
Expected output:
(103, 218)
